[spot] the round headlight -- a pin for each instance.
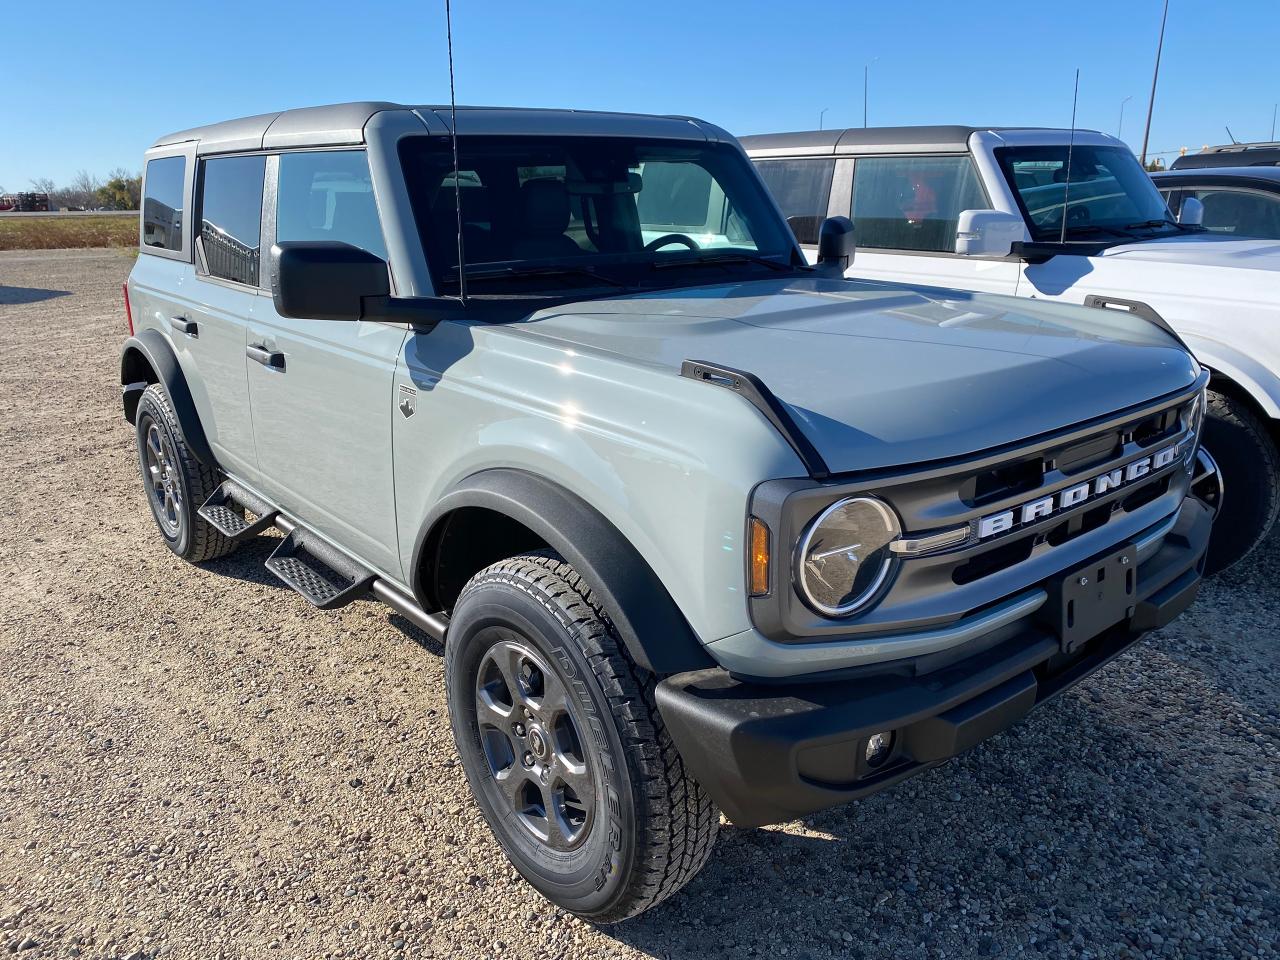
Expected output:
(844, 555)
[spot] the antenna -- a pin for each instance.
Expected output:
(457, 180)
(1231, 136)
(1071, 145)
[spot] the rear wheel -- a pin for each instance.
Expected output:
(563, 745)
(1244, 448)
(175, 481)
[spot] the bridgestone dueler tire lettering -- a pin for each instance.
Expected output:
(654, 827)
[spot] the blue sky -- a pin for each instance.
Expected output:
(90, 85)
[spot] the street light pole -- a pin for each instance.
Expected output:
(1120, 128)
(822, 114)
(1155, 75)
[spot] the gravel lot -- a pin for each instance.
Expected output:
(194, 763)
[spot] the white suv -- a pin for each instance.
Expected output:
(982, 209)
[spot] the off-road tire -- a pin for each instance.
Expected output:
(193, 538)
(1245, 450)
(653, 826)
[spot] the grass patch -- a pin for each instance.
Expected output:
(56, 233)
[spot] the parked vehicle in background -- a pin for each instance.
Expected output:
(1238, 201)
(983, 209)
(701, 527)
(24, 202)
(1231, 155)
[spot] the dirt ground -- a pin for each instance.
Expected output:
(194, 763)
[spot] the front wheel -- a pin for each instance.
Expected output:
(563, 745)
(1244, 448)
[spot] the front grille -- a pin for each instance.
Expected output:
(995, 561)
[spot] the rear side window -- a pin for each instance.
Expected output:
(231, 217)
(802, 189)
(913, 203)
(162, 203)
(1239, 213)
(328, 195)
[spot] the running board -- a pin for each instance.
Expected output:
(326, 577)
(225, 511)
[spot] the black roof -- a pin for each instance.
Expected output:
(1270, 175)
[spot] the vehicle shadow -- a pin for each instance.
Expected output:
(248, 562)
(12, 296)
(1086, 823)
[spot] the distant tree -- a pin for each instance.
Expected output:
(1154, 165)
(122, 191)
(83, 192)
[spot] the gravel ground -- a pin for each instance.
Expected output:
(194, 763)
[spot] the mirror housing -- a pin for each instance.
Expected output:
(324, 280)
(835, 246)
(1191, 213)
(988, 233)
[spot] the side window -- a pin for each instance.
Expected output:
(328, 195)
(162, 203)
(802, 189)
(1240, 213)
(673, 194)
(231, 217)
(913, 203)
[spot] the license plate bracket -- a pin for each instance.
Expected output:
(1096, 596)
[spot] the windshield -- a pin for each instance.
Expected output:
(1109, 193)
(541, 213)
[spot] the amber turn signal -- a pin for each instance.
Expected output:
(759, 557)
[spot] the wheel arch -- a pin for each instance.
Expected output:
(148, 358)
(522, 511)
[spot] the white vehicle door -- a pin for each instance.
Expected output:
(905, 211)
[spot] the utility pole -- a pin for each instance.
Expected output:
(1120, 128)
(1155, 75)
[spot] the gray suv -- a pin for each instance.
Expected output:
(703, 528)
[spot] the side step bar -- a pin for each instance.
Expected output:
(226, 508)
(432, 624)
(325, 577)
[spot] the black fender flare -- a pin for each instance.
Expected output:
(655, 632)
(159, 355)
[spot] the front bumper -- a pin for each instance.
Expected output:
(770, 753)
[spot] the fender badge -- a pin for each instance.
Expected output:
(408, 400)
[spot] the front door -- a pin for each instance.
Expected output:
(323, 390)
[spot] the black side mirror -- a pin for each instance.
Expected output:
(835, 246)
(323, 280)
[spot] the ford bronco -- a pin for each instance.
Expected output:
(983, 209)
(702, 527)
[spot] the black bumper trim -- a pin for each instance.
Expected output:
(768, 754)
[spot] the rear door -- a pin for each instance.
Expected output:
(210, 309)
(905, 212)
(322, 390)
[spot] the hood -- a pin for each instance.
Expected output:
(884, 374)
(1202, 250)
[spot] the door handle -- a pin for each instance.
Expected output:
(183, 325)
(268, 358)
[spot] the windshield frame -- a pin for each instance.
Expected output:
(630, 270)
(1088, 232)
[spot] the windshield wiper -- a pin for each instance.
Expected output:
(1150, 224)
(1095, 228)
(720, 259)
(514, 273)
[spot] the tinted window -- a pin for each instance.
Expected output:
(162, 203)
(328, 196)
(802, 189)
(231, 217)
(1240, 213)
(1108, 191)
(675, 194)
(913, 203)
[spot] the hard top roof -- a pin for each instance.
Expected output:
(936, 139)
(1240, 173)
(344, 123)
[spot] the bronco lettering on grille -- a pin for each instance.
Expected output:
(1072, 496)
